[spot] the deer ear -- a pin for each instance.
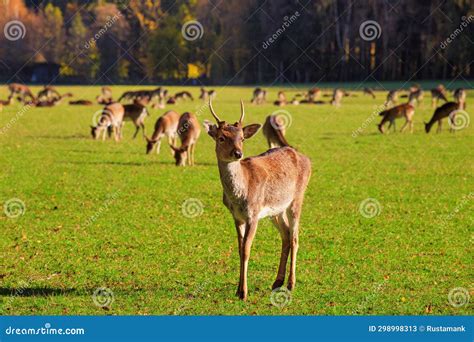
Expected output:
(250, 130)
(211, 129)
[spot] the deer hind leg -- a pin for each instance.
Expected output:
(294, 213)
(284, 230)
(438, 130)
(405, 125)
(250, 230)
(137, 129)
(142, 125)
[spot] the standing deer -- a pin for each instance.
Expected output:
(274, 131)
(313, 95)
(405, 110)
(136, 113)
(206, 94)
(188, 131)
(22, 90)
(112, 116)
(166, 125)
(105, 97)
(447, 110)
(281, 101)
(438, 93)
(337, 96)
(460, 97)
(368, 91)
(259, 96)
(415, 95)
(271, 184)
(392, 98)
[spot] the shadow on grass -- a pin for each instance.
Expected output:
(61, 137)
(147, 163)
(35, 291)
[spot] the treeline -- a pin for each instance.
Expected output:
(239, 41)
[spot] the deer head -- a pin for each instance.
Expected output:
(229, 138)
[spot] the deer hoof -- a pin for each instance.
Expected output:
(278, 283)
(291, 286)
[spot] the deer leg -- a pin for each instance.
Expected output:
(404, 127)
(240, 228)
(284, 231)
(250, 230)
(142, 125)
(438, 130)
(294, 213)
(411, 126)
(158, 145)
(451, 120)
(137, 129)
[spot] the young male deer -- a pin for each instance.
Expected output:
(274, 131)
(460, 97)
(188, 131)
(271, 184)
(166, 125)
(405, 110)
(112, 115)
(447, 110)
(136, 113)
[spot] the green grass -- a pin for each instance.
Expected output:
(157, 261)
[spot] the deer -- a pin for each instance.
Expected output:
(337, 96)
(281, 101)
(271, 184)
(392, 98)
(369, 91)
(188, 132)
(313, 95)
(446, 110)
(274, 131)
(166, 125)
(112, 115)
(183, 95)
(460, 97)
(48, 93)
(259, 96)
(406, 110)
(81, 103)
(22, 90)
(438, 93)
(136, 113)
(205, 94)
(415, 95)
(105, 98)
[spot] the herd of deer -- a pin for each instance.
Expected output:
(271, 184)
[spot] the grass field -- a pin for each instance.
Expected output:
(105, 214)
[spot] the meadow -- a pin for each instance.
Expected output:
(106, 215)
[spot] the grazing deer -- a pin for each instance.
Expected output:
(447, 110)
(392, 98)
(281, 101)
(368, 91)
(166, 125)
(183, 95)
(112, 115)
(48, 93)
(259, 96)
(136, 113)
(337, 96)
(271, 184)
(460, 97)
(313, 94)
(438, 93)
(405, 110)
(206, 94)
(105, 97)
(415, 95)
(81, 103)
(188, 131)
(22, 90)
(274, 131)
(49, 103)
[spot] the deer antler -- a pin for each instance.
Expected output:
(242, 111)
(213, 112)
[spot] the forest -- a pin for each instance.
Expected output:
(236, 41)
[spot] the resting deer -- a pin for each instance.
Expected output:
(166, 125)
(48, 93)
(81, 103)
(460, 97)
(188, 131)
(337, 96)
(447, 110)
(274, 131)
(405, 110)
(183, 95)
(259, 96)
(112, 115)
(281, 101)
(271, 184)
(136, 113)
(206, 94)
(392, 98)
(313, 95)
(22, 90)
(438, 93)
(368, 91)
